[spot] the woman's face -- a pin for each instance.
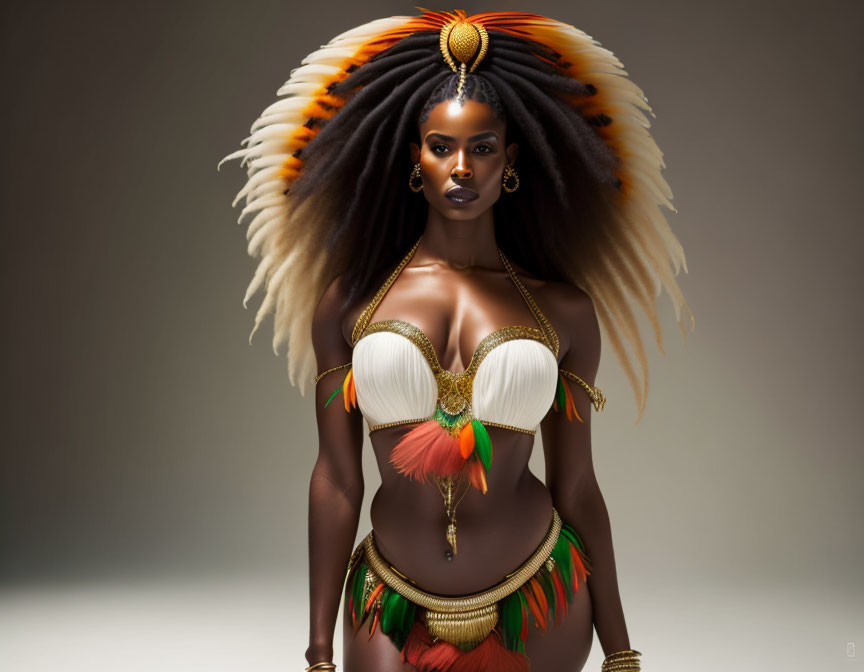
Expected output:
(462, 158)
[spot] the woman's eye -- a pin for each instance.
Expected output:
(435, 148)
(488, 149)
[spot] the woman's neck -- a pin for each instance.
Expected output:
(459, 244)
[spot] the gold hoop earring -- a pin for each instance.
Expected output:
(510, 173)
(415, 175)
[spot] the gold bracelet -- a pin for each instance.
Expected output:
(623, 665)
(323, 665)
(622, 661)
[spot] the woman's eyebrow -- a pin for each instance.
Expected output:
(447, 138)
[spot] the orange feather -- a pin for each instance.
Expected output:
(346, 385)
(466, 440)
(375, 618)
(352, 393)
(375, 593)
(541, 598)
(539, 620)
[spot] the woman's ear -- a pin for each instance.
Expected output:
(512, 152)
(415, 152)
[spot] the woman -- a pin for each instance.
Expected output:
(446, 205)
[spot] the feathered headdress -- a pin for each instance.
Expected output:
(292, 236)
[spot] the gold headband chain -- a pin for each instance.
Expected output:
(460, 40)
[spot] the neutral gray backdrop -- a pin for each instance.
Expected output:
(155, 466)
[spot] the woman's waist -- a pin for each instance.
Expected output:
(495, 533)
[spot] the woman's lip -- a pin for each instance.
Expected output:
(461, 194)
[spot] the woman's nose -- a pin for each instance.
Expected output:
(461, 170)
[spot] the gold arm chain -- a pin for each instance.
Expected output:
(595, 393)
(545, 324)
(335, 368)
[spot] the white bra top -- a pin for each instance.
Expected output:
(510, 381)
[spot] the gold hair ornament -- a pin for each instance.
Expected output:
(460, 41)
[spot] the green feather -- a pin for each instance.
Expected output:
(561, 556)
(482, 444)
(335, 392)
(574, 537)
(397, 616)
(545, 580)
(511, 622)
(560, 395)
(358, 589)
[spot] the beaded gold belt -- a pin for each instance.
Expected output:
(464, 621)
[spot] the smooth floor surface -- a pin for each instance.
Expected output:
(258, 623)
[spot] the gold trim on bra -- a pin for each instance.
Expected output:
(455, 389)
(417, 421)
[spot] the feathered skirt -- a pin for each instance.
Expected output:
(480, 632)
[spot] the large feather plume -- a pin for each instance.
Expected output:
(640, 254)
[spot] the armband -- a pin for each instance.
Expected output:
(346, 387)
(564, 397)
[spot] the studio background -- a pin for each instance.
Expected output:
(155, 466)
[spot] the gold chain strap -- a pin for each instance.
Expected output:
(546, 326)
(366, 315)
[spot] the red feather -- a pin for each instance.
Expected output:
(440, 657)
(579, 566)
(425, 450)
(523, 633)
(491, 655)
(417, 642)
(560, 596)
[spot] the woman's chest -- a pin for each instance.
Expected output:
(510, 378)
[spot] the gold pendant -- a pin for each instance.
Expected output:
(445, 485)
(451, 536)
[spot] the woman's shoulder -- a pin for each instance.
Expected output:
(331, 313)
(557, 297)
(569, 308)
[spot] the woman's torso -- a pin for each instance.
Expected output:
(449, 314)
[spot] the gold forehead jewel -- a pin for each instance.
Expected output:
(460, 41)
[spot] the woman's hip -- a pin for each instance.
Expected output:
(488, 625)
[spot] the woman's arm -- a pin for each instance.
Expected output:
(570, 471)
(336, 487)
